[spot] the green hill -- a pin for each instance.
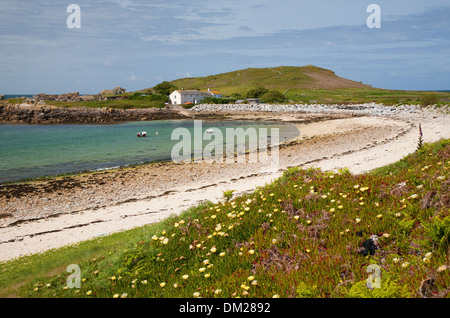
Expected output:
(280, 78)
(306, 84)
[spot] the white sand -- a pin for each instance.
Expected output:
(358, 154)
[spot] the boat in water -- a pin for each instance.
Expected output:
(142, 134)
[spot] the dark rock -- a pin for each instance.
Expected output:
(369, 246)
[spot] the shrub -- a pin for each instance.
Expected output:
(388, 289)
(256, 92)
(438, 232)
(428, 100)
(273, 96)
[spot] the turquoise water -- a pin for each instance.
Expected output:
(30, 151)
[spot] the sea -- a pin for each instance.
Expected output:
(32, 151)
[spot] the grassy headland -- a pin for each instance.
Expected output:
(296, 237)
(307, 84)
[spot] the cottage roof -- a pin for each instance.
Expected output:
(191, 92)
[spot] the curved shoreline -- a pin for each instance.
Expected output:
(359, 143)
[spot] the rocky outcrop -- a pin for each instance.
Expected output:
(119, 90)
(44, 114)
(67, 97)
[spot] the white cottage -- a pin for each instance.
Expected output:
(191, 96)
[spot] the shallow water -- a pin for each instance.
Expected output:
(30, 151)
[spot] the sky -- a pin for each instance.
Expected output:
(136, 44)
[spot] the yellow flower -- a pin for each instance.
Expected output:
(162, 284)
(251, 252)
(251, 277)
(296, 217)
(202, 269)
(332, 210)
(196, 294)
(340, 207)
(185, 277)
(396, 260)
(357, 220)
(254, 282)
(274, 241)
(207, 275)
(379, 216)
(124, 295)
(213, 249)
(361, 203)
(308, 250)
(405, 264)
(276, 296)
(206, 262)
(176, 224)
(222, 254)
(116, 296)
(89, 292)
(377, 204)
(308, 222)
(217, 291)
(272, 194)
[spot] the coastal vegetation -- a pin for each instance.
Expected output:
(299, 236)
(308, 84)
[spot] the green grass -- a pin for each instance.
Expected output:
(301, 87)
(295, 237)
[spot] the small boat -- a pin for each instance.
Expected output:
(142, 134)
(209, 131)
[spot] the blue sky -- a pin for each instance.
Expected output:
(136, 44)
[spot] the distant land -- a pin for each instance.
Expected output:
(282, 77)
(299, 84)
(304, 84)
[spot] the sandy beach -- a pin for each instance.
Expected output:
(43, 215)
